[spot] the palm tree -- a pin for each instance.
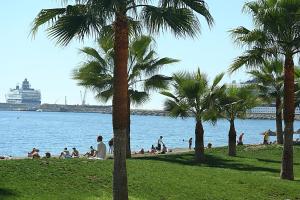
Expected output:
(193, 97)
(269, 82)
(234, 103)
(97, 72)
(276, 34)
(91, 17)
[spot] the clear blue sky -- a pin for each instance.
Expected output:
(48, 67)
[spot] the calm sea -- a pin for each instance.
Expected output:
(21, 131)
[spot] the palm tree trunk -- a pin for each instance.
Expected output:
(199, 142)
(232, 139)
(128, 149)
(279, 121)
(287, 171)
(120, 109)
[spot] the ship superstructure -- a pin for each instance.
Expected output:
(24, 95)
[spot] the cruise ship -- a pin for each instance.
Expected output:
(24, 95)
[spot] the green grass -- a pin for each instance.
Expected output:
(253, 174)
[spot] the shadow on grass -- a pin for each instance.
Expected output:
(210, 161)
(6, 193)
(270, 161)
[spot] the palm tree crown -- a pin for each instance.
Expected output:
(194, 96)
(143, 71)
(93, 17)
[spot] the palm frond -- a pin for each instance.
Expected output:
(180, 21)
(157, 82)
(138, 97)
(177, 109)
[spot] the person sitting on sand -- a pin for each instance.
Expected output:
(153, 149)
(142, 151)
(35, 154)
(65, 154)
(30, 153)
(101, 149)
(47, 155)
(75, 153)
(164, 149)
(91, 153)
(240, 141)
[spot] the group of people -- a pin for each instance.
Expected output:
(66, 153)
(99, 153)
(161, 148)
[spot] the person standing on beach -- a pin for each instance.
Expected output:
(190, 143)
(101, 148)
(240, 141)
(111, 145)
(159, 143)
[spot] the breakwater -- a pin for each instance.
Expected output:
(105, 110)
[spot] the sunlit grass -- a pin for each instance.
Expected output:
(253, 174)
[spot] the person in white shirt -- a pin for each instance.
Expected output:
(101, 148)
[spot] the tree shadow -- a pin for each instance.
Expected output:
(268, 160)
(6, 193)
(210, 161)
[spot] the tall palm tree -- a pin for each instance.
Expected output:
(91, 17)
(193, 97)
(97, 72)
(234, 103)
(276, 34)
(269, 82)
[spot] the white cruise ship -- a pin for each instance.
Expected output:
(24, 95)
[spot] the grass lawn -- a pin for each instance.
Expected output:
(253, 174)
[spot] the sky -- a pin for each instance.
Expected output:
(48, 67)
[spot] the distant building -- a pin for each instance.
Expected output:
(24, 95)
(262, 109)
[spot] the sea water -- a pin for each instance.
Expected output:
(52, 131)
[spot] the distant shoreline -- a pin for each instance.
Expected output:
(107, 110)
